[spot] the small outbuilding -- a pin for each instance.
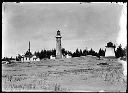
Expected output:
(27, 58)
(110, 50)
(52, 57)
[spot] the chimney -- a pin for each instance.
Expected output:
(29, 47)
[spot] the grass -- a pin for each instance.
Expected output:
(62, 75)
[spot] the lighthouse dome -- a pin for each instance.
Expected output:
(110, 44)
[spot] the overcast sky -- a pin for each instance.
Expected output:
(81, 25)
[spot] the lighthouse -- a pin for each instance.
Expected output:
(110, 50)
(58, 45)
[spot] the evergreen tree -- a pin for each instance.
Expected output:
(63, 51)
(119, 52)
(77, 53)
(91, 52)
(125, 51)
(85, 52)
(101, 52)
(80, 53)
(19, 57)
(69, 53)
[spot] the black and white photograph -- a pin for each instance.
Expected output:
(64, 47)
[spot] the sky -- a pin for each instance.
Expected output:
(86, 25)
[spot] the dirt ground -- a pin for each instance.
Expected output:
(64, 75)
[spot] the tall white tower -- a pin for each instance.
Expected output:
(110, 50)
(58, 45)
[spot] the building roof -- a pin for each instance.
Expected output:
(110, 44)
(29, 56)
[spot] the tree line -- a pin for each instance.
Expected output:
(119, 52)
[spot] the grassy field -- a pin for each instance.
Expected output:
(64, 75)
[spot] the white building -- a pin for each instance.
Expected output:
(28, 56)
(28, 59)
(52, 57)
(110, 50)
(63, 56)
(35, 58)
(68, 56)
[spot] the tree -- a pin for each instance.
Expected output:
(64, 52)
(120, 52)
(91, 52)
(18, 58)
(81, 53)
(37, 54)
(125, 51)
(54, 52)
(76, 53)
(45, 53)
(101, 52)
(85, 52)
(69, 53)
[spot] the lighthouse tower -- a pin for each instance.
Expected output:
(110, 50)
(58, 45)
